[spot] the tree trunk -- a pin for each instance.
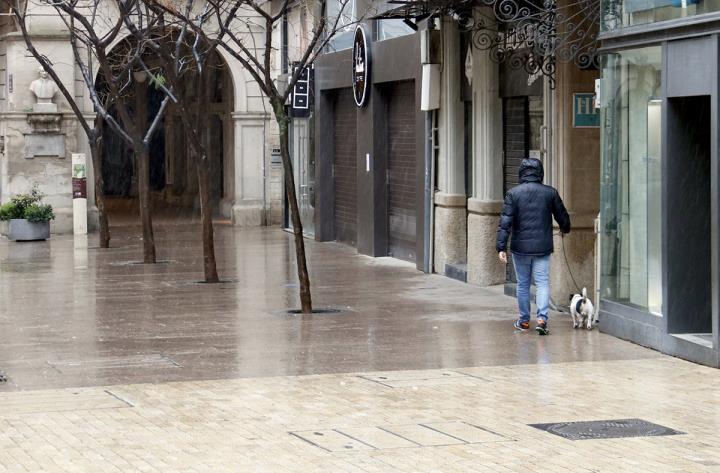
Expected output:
(143, 167)
(142, 161)
(201, 146)
(209, 263)
(303, 276)
(96, 156)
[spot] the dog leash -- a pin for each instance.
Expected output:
(567, 263)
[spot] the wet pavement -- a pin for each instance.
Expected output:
(72, 315)
(120, 367)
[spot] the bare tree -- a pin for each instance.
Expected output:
(19, 11)
(93, 30)
(184, 62)
(245, 29)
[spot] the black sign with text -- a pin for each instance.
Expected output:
(361, 67)
(302, 92)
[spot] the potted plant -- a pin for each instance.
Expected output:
(29, 219)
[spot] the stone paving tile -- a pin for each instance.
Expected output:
(104, 322)
(246, 424)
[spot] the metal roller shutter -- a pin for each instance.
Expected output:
(402, 171)
(515, 147)
(515, 137)
(345, 168)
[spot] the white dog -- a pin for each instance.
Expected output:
(582, 310)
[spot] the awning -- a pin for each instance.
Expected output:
(420, 9)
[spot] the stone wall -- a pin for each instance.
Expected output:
(576, 175)
(450, 231)
(484, 267)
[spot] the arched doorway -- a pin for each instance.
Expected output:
(173, 176)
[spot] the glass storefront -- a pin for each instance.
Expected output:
(631, 178)
(344, 14)
(621, 13)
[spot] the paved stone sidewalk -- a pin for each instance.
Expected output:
(73, 315)
(119, 367)
(470, 419)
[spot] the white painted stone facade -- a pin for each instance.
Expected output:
(252, 194)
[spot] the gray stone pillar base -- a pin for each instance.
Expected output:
(248, 214)
(450, 230)
(93, 217)
(483, 266)
(63, 223)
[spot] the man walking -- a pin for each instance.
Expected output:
(527, 213)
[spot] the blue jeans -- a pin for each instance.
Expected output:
(539, 268)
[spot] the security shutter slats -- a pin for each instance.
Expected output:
(402, 171)
(345, 168)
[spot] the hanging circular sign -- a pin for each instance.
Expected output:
(361, 67)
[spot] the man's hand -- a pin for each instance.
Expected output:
(503, 257)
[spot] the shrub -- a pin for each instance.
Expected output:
(9, 211)
(39, 213)
(27, 206)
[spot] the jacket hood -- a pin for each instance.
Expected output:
(531, 170)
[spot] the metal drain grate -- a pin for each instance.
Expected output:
(387, 437)
(116, 362)
(606, 429)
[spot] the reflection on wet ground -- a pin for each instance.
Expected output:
(74, 315)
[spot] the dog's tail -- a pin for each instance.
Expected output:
(584, 293)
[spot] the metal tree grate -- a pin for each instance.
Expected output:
(606, 429)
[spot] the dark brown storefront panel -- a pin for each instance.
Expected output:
(515, 148)
(515, 139)
(402, 171)
(345, 168)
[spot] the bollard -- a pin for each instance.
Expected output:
(79, 185)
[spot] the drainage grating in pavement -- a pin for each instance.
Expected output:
(399, 436)
(410, 379)
(606, 429)
(62, 400)
(141, 263)
(116, 362)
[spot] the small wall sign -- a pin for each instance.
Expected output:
(302, 92)
(585, 114)
(361, 67)
(79, 176)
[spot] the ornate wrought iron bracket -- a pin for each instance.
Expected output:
(529, 34)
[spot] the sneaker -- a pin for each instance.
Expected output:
(522, 326)
(542, 328)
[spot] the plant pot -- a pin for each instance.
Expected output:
(24, 230)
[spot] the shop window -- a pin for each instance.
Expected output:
(346, 14)
(621, 13)
(631, 178)
(388, 29)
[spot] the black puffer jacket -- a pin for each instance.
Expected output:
(528, 212)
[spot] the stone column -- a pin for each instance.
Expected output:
(249, 145)
(484, 207)
(450, 201)
(84, 147)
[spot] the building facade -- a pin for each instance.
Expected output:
(659, 225)
(246, 182)
(421, 170)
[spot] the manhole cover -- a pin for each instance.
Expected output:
(606, 429)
